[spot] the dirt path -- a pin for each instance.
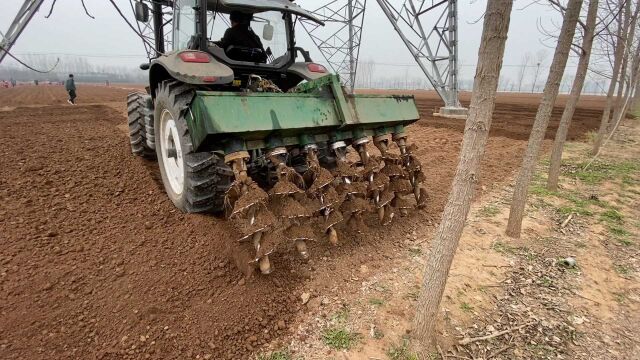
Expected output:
(97, 263)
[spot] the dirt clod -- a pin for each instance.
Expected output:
(305, 297)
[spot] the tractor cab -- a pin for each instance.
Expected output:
(252, 37)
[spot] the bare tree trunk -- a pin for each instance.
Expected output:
(635, 103)
(535, 77)
(632, 83)
(617, 62)
(619, 96)
(635, 80)
(616, 123)
(445, 242)
(542, 117)
(570, 107)
(523, 70)
(623, 82)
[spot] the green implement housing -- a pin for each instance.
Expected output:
(315, 111)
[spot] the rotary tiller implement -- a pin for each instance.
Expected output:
(304, 198)
(288, 168)
(266, 136)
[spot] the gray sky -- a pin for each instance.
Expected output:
(108, 41)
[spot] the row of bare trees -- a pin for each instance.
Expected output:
(529, 61)
(606, 26)
(526, 78)
(619, 40)
(85, 70)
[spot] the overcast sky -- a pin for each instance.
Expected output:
(108, 40)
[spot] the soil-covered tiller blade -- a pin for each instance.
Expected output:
(287, 201)
(246, 208)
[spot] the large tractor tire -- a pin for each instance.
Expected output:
(148, 115)
(138, 111)
(194, 181)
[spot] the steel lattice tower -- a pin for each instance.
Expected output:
(434, 48)
(339, 40)
(25, 14)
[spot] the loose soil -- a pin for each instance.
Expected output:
(96, 262)
(56, 95)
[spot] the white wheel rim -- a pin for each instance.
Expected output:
(171, 152)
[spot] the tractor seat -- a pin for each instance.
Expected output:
(241, 53)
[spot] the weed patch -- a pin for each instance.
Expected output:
(278, 355)
(415, 251)
(566, 210)
(600, 171)
(503, 248)
(578, 204)
(619, 297)
(622, 269)
(466, 307)
(629, 180)
(401, 352)
(528, 254)
(341, 315)
(538, 184)
(621, 234)
(377, 334)
(489, 211)
(340, 338)
(591, 176)
(612, 216)
(591, 135)
(618, 230)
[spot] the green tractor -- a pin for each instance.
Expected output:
(250, 127)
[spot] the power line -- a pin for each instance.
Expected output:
(464, 65)
(26, 65)
(132, 27)
(82, 55)
(53, 4)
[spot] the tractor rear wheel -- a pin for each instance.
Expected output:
(194, 181)
(137, 111)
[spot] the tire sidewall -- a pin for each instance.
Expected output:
(163, 103)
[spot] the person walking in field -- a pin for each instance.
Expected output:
(70, 86)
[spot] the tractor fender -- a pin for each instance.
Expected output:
(171, 66)
(301, 69)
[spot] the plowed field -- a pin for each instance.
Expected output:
(95, 262)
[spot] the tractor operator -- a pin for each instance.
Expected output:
(240, 42)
